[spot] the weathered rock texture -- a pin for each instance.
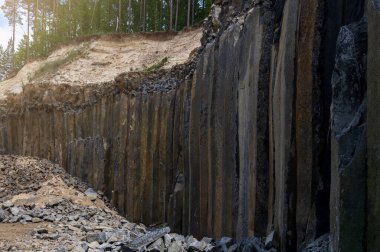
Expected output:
(373, 135)
(238, 141)
(348, 143)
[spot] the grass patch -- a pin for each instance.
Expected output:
(52, 66)
(157, 66)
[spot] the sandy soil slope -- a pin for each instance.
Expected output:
(102, 59)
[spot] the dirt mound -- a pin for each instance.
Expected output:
(20, 175)
(101, 59)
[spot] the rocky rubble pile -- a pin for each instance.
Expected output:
(70, 217)
(65, 215)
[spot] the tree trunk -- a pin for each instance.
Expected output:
(141, 17)
(161, 14)
(70, 35)
(171, 15)
(130, 16)
(156, 18)
(192, 12)
(188, 12)
(144, 16)
(28, 33)
(176, 15)
(119, 18)
(14, 33)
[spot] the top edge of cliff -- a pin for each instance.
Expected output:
(99, 59)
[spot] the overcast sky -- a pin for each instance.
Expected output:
(6, 30)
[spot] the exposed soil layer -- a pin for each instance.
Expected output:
(102, 58)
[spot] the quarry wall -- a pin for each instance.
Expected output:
(265, 130)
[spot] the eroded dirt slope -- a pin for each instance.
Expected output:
(102, 59)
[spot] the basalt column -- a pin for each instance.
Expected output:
(283, 78)
(373, 134)
(348, 144)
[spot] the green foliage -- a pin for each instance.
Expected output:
(53, 22)
(53, 66)
(20, 56)
(6, 60)
(157, 66)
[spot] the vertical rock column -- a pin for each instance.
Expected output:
(307, 106)
(348, 148)
(283, 77)
(373, 135)
(253, 102)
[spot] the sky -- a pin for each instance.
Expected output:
(6, 30)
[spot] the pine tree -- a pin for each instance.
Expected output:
(2, 70)
(57, 21)
(6, 58)
(20, 56)
(11, 9)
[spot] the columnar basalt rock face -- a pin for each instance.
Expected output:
(348, 131)
(237, 141)
(283, 128)
(373, 136)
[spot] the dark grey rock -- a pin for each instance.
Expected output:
(376, 4)
(207, 239)
(3, 214)
(40, 231)
(319, 245)
(93, 245)
(106, 247)
(98, 237)
(156, 246)
(233, 248)
(50, 218)
(53, 236)
(168, 240)
(7, 204)
(175, 247)
(91, 193)
(58, 217)
(148, 238)
(224, 243)
(61, 249)
(36, 220)
(348, 139)
(190, 239)
(73, 217)
(26, 217)
(269, 240)
(373, 139)
(54, 202)
(198, 245)
(15, 210)
(14, 219)
(87, 228)
(81, 248)
(252, 244)
(121, 236)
